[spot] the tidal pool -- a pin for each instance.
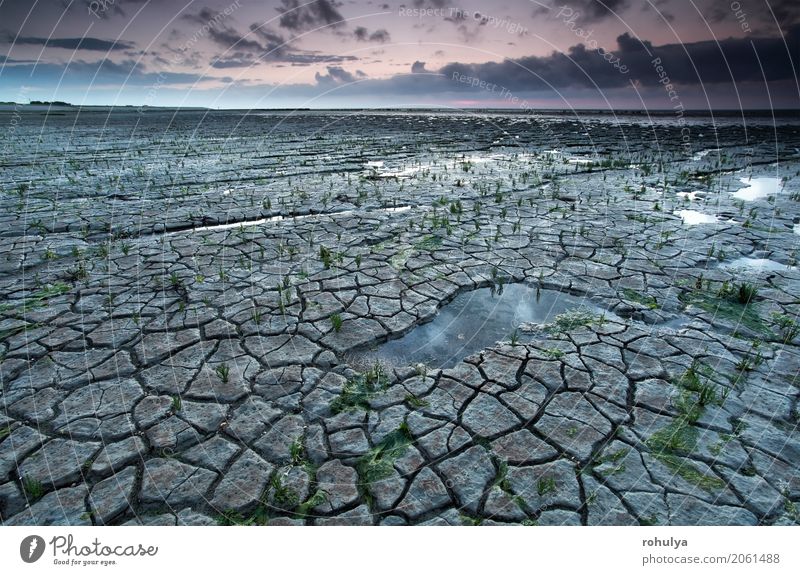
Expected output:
(693, 217)
(691, 195)
(757, 188)
(755, 264)
(474, 321)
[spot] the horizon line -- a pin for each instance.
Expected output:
(67, 105)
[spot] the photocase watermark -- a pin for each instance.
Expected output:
(672, 94)
(180, 56)
(16, 116)
(509, 26)
(99, 7)
(510, 99)
(65, 551)
(475, 82)
(741, 16)
(569, 17)
(460, 14)
(31, 548)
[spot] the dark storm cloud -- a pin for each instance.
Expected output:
(304, 58)
(730, 60)
(766, 12)
(107, 67)
(263, 45)
(431, 3)
(202, 16)
(559, 75)
(664, 8)
(235, 60)
(245, 60)
(84, 74)
(787, 12)
(597, 10)
(298, 16)
(363, 35)
(415, 85)
(270, 37)
(335, 75)
(105, 9)
(95, 44)
(7, 60)
(228, 37)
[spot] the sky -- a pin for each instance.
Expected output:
(523, 54)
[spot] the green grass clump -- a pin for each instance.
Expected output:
(33, 488)
(742, 294)
(284, 497)
(671, 445)
(326, 256)
(691, 474)
(379, 462)
(679, 437)
(36, 299)
(787, 325)
(429, 243)
(642, 299)
(613, 458)
(259, 516)
(318, 498)
(415, 401)
(546, 486)
(297, 452)
(358, 390)
(223, 372)
(573, 319)
(554, 353)
(726, 306)
(469, 521)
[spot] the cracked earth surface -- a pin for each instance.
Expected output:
(184, 309)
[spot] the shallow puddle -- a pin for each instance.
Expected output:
(755, 264)
(693, 196)
(693, 217)
(251, 223)
(703, 153)
(474, 321)
(757, 188)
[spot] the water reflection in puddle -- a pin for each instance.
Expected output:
(251, 223)
(474, 321)
(757, 188)
(691, 195)
(755, 264)
(703, 153)
(693, 217)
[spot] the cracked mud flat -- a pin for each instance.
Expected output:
(160, 369)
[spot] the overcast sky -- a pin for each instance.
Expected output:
(387, 53)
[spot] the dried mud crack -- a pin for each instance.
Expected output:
(154, 373)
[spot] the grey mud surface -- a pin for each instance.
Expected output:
(170, 358)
